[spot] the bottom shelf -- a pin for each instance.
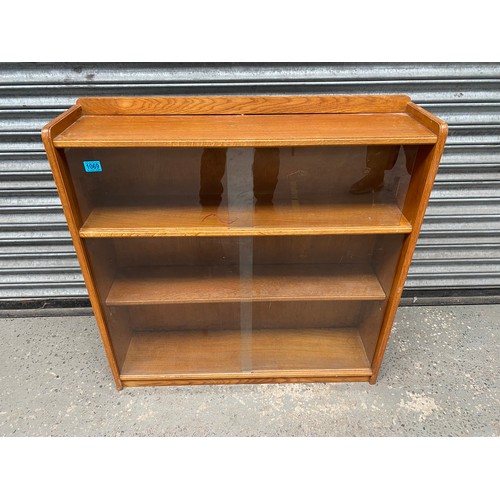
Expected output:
(233, 356)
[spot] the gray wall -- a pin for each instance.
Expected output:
(459, 248)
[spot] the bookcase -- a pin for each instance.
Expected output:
(244, 239)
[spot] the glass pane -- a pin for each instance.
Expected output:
(297, 190)
(243, 260)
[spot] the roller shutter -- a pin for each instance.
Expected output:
(458, 253)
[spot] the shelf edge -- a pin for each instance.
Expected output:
(365, 141)
(253, 375)
(404, 228)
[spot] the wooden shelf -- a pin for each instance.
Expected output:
(280, 219)
(229, 354)
(195, 284)
(244, 130)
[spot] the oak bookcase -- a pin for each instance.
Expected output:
(244, 239)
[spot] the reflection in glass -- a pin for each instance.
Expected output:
(173, 183)
(265, 169)
(378, 160)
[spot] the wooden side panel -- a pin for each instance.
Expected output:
(243, 104)
(424, 173)
(427, 119)
(58, 125)
(70, 207)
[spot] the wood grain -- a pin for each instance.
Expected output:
(227, 315)
(274, 353)
(244, 130)
(306, 219)
(189, 284)
(422, 181)
(331, 376)
(430, 121)
(69, 203)
(207, 251)
(266, 104)
(293, 345)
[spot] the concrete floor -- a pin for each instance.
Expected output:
(439, 378)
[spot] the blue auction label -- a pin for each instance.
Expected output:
(92, 166)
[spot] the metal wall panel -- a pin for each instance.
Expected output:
(459, 247)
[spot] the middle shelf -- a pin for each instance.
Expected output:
(276, 282)
(149, 219)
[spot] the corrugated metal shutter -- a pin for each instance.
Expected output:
(459, 247)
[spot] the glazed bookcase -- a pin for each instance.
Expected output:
(244, 239)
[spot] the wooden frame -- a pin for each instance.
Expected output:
(245, 122)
